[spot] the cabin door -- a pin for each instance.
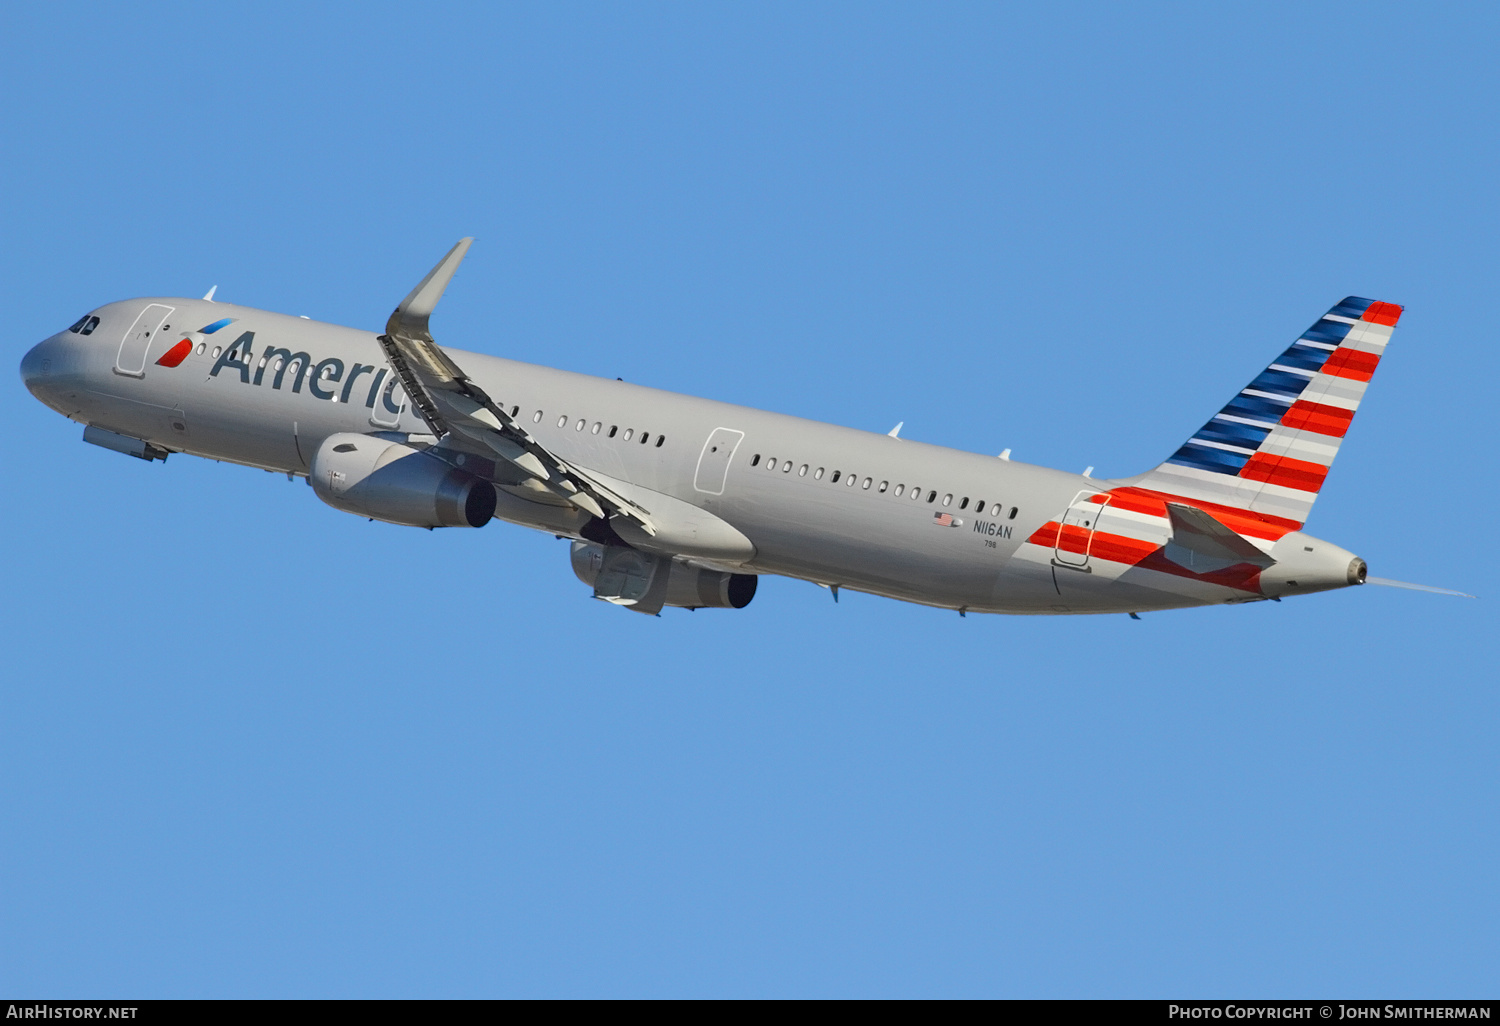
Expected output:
(132, 356)
(1075, 536)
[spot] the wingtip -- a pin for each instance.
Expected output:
(413, 312)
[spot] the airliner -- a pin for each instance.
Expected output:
(675, 501)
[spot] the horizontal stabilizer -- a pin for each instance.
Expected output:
(1203, 544)
(1388, 583)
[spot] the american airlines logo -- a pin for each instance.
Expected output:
(327, 379)
(182, 350)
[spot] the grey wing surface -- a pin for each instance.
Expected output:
(465, 418)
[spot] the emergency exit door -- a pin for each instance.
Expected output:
(713, 461)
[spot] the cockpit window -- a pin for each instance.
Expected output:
(85, 325)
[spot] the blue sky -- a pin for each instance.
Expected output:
(258, 747)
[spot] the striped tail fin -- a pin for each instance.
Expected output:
(1269, 450)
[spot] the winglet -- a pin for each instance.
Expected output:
(410, 318)
(895, 432)
(210, 296)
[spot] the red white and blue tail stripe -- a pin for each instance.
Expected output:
(1269, 450)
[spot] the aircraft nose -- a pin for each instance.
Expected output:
(40, 368)
(36, 365)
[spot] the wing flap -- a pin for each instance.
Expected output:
(459, 412)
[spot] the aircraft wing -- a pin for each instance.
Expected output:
(458, 411)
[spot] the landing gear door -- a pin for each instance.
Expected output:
(713, 461)
(132, 356)
(1075, 535)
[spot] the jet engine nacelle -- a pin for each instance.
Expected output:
(687, 587)
(389, 481)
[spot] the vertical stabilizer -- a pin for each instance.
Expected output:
(1269, 450)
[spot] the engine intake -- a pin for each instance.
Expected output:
(389, 481)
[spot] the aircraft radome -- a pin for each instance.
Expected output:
(672, 500)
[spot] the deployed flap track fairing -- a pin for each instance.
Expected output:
(460, 413)
(466, 420)
(738, 492)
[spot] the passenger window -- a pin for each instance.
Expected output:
(514, 410)
(1012, 513)
(978, 505)
(851, 479)
(645, 437)
(802, 472)
(537, 418)
(948, 499)
(580, 424)
(202, 346)
(818, 474)
(771, 463)
(755, 460)
(916, 493)
(597, 426)
(562, 421)
(900, 489)
(866, 485)
(965, 503)
(931, 496)
(999, 508)
(786, 468)
(612, 429)
(628, 433)
(883, 486)
(660, 439)
(835, 478)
